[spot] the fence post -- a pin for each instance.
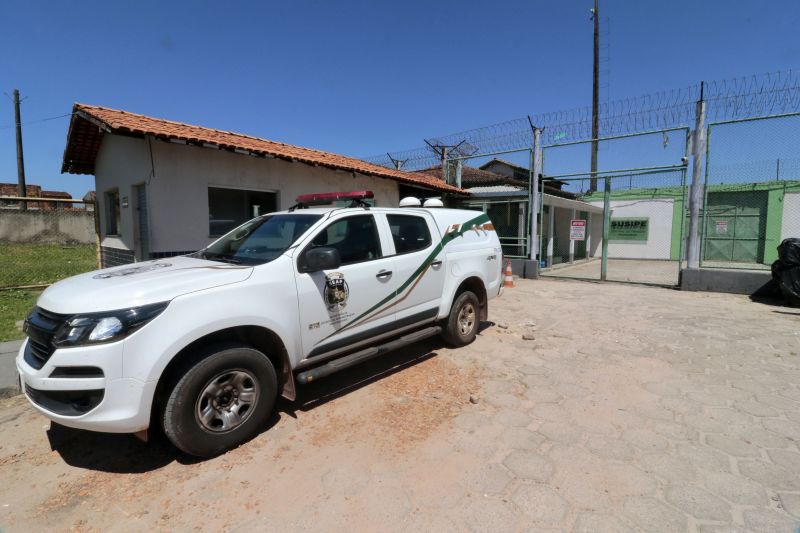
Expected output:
(696, 189)
(606, 228)
(533, 190)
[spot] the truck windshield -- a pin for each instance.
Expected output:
(259, 241)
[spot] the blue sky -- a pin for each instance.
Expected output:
(357, 78)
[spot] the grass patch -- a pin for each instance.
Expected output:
(39, 264)
(15, 306)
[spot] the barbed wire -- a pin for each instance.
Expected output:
(748, 96)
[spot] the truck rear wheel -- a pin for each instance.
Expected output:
(221, 400)
(462, 323)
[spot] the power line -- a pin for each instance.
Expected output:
(8, 127)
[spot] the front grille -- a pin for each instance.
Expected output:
(40, 327)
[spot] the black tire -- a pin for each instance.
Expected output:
(458, 332)
(216, 384)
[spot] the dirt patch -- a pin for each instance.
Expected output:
(406, 409)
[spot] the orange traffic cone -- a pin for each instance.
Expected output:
(509, 281)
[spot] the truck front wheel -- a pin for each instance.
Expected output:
(462, 323)
(223, 399)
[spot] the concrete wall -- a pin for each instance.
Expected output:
(47, 227)
(790, 223)
(659, 211)
(177, 194)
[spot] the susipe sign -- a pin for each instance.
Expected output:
(577, 230)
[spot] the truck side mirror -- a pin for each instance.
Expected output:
(316, 259)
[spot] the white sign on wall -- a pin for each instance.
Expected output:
(577, 230)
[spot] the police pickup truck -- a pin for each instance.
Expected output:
(202, 344)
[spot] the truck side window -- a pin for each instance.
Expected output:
(356, 238)
(410, 233)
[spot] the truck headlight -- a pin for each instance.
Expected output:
(109, 326)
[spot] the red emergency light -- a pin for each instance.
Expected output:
(330, 197)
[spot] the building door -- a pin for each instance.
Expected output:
(141, 232)
(735, 227)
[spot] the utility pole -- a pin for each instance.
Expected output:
(595, 94)
(22, 190)
(697, 189)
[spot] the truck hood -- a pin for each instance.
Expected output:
(138, 284)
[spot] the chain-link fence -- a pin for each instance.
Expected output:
(642, 214)
(752, 191)
(50, 239)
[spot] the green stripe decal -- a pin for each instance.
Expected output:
(470, 224)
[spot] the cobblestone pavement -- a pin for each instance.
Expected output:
(596, 408)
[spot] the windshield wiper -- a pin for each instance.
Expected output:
(219, 257)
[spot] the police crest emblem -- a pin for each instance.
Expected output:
(336, 291)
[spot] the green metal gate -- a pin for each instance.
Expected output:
(736, 226)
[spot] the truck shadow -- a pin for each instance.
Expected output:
(121, 453)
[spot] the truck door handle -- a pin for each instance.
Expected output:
(436, 263)
(384, 274)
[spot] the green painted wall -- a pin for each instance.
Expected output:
(776, 191)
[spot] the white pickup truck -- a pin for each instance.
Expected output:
(203, 344)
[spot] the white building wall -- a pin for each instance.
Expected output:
(122, 162)
(178, 193)
(659, 211)
(790, 224)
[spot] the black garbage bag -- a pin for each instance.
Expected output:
(786, 270)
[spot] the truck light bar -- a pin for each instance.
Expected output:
(330, 197)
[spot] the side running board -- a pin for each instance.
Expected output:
(359, 357)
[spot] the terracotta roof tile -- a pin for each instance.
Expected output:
(90, 122)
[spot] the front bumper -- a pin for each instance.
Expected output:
(83, 387)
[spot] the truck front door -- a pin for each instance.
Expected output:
(340, 308)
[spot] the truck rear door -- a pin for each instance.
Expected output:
(420, 269)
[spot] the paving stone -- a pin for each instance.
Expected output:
(488, 514)
(680, 405)
(727, 416)
(521, 439)
(676, 431)
(769, 520)
(770, 475)
(469, 421)
(778, 402)
(787, 428)
(787, 459)
(704, 423)
(512, 418)
(503, 400)
(598, 523)
(540, 504)
(751, 386)
(668, 467)
(572, 390)
(736, 489)
(655, 411)
(754, 408)
(644, 439)
(492, 478)
(560, 432)
(538, 382)
(549, 411)
(699, 503)
(499, 386)
(653, 515)
(791, 503)
(733, 445)
(610, 448)
(534, 370)
(705, 458)
(529, 465)
(542, 394)
(756, 435)
(790, 392)
(706, 398)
